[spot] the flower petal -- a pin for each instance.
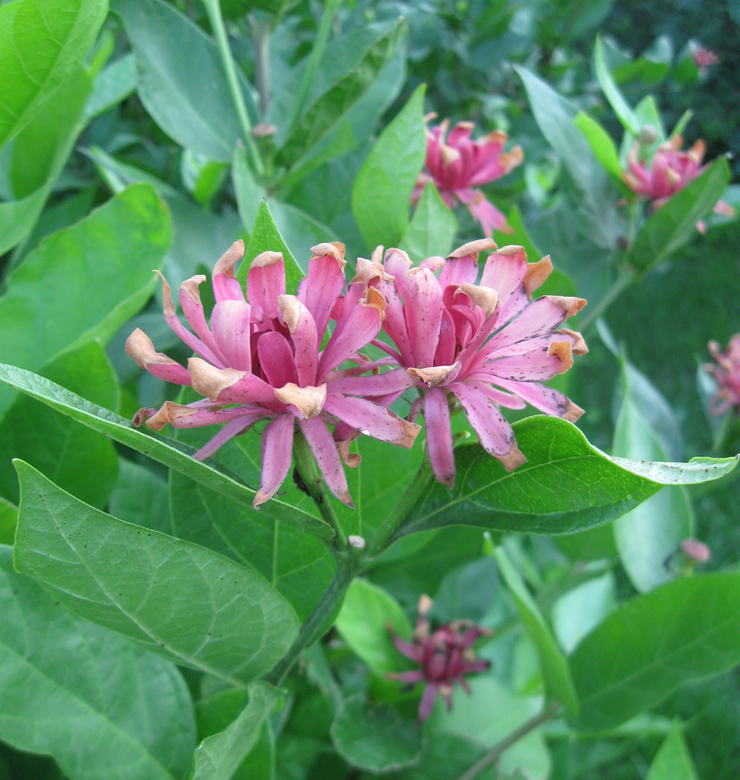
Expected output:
(230, 324)
(277, 452)
(276, 359)
(423, 311)
(396, 381)
(306, 401)
(324, 282)
(304, 336)
(371, 419)
(546, 399)
(439, 436)
(324, 449)
(225, 286)
(231, 429)
(227, 385)
(139, 346)
(266, 282)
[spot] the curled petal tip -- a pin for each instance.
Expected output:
(266, 259)
(578, 343)
(485, 297)
(573, 412)
(569, 305)
(330, 249)
(377, 255)
(167, 305)
(229, 259)
(190, 287)
(290, 308)
(513, 458)
(309, 401)
(436, 375)
(374, 300)
(210, 381)
(351, 459)
(260, 498)
(409, 432)
(536, 274)
(169, 413)
(564, 351)
(142, 416)
(473, 249)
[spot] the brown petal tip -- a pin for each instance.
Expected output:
(536, 274)
(436, 374)
(485, 297)
(190, 287)
(169, 412)
(573, 412)
(578, 343)
(564, 351)
(261, 497)
(210, 381)
(449, 155)
(142, 416)
(377, 255)
(351, 459)
(139, 347)
(333, 249)
(374, 300)
(266, 259)
(473, 248)
(308, 400)
(409, 432)
(569, 305)
(229, 259)
(513, 458)
(167, 306)
(290, 308)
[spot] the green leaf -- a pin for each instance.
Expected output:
(112, 86)
(581, 609)
(140, 497)
(375, 738)
(554, 665)
(647, 536)
(363, 624)
(329, 108)
(169, 452)
(681, 631)
(17, 218)
(81, 694)
(8, 521)
(266, 237)
(566, 484)
(381, 192)
(40, 45)
(297, 565)
(674, 224)
(432, 228)
(673, 761)
(176, 598)
(180, 78)
(612, 91)
(602, 146)
(490, 715)
(83, 462)
(219, 756)
(84, 282)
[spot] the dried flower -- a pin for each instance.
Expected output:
(261, 359)
(670, 171)
(445, 657)
(483, 345)
(726, 372)
(457, 165)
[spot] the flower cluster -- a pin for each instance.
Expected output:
(670, 171)
(261, 359)
(483, 344)
(726, 371)
(456, 340)
(445, 657)
(457, 165)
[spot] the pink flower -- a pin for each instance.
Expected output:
(696, 551)
(703, 58)
(670, 171)
(445, 657)
(483, 345)
(727, 374)
(458, 164)
(261, 359)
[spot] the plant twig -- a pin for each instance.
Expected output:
(494, 753)
(219, 30)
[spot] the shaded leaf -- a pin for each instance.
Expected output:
(84, 695)
(566, 484)
(140, 497)
(112, 86)
(612, 92)
(673, 761)
(432, 228)
(186, 602)
(681, 631)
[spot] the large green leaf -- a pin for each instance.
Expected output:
(612, 92)
(603, 148)
(169, 452)
(381, 192)
(298, 565)
(84, 282)
(219, 756)
(83, 462)
(673, 761)
(180, 78)
(188, 603)
(112, 86)
(674, 224)
(140, 497)
(329, 108)
(102, 707)
(375, 738)
(17, 218)
(554, 666)
(40, 45)
(363, 623)
(566, 485)
(647, 536)
(432, 228)
(681, 631)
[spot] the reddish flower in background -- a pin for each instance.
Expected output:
(483, 345)
(457, 165)
(670, 171)
(726, 372)
(261, 359)
(445, 657)
(703, 58)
